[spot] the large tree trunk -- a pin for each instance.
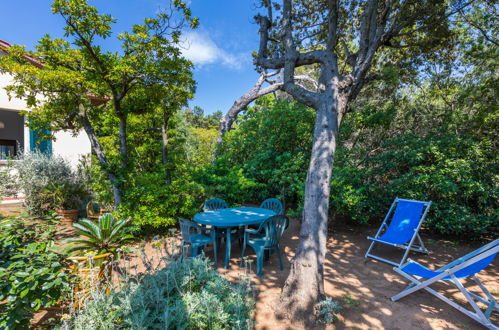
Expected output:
(122, 134)
(164, 147)
(304, 285)
(99, 152)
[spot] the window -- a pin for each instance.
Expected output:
(8, 149)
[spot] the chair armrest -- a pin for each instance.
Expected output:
(251, 231)
(203, 229)
(198, 227)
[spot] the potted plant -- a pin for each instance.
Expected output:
(66, 197)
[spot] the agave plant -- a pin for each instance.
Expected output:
(106, 235)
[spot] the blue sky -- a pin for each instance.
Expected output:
(220, 48)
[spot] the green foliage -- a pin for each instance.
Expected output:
(66, 195)
(327, 310)
(430, 142)
(32, 276)
(107, 235)
(187, 294)
(350, 301)
(153, 205)
(228, 183)
(3, 179)
(453, 172)
(197, 118)
(405, 146)
(147, 80)
(150, 200)
(265, 155)
(47, 183)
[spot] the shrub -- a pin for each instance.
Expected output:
(3, 179)
(8, 187)
(152, 204)
(107, 235)
(265, 155)
(187, 294)
(228, 183)
(327, 310)
(37, 175)
(31, 275)
(456, 173)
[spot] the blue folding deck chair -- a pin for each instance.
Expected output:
(467, 266)
(402, 230)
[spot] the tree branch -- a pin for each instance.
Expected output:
(241, 103)
(332, 34)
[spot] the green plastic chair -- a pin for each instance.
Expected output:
(272, 204)
(215, 204)
(266, 238)
(197, 237)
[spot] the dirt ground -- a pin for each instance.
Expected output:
(363, 287)
(11, 209)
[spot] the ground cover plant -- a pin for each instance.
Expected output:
(186, 294)
(32, 275)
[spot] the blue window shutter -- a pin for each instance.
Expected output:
(36, 142)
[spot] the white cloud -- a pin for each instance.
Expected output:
(202, 50)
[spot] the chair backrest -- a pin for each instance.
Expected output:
(93, 209)
(185, 229)
(215, 204)
(272, 204)
(406, 220)
(274, 228)
(489, 253)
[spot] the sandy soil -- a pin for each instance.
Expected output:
(364, 287)
(11, 209)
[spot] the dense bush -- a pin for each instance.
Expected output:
(377, 160)
(32, 276)
(153, 204)
(456, 173)
(187, 294)
(157, 191)
(39, 176)
(266, 155)
(3, 179)
(228, 183)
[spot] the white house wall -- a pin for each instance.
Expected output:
(71, 147)
(5, 103)
(65, 145)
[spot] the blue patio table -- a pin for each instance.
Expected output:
(232, 218)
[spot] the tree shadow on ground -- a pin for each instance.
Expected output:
(364, 287)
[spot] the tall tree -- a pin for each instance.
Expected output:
(349, 42)
(137, 79)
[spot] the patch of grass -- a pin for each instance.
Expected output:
(430, 242)
(451, 243)
(349, 300)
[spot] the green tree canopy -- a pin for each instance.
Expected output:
(75, 83)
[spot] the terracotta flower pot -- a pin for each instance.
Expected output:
(68, 216)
